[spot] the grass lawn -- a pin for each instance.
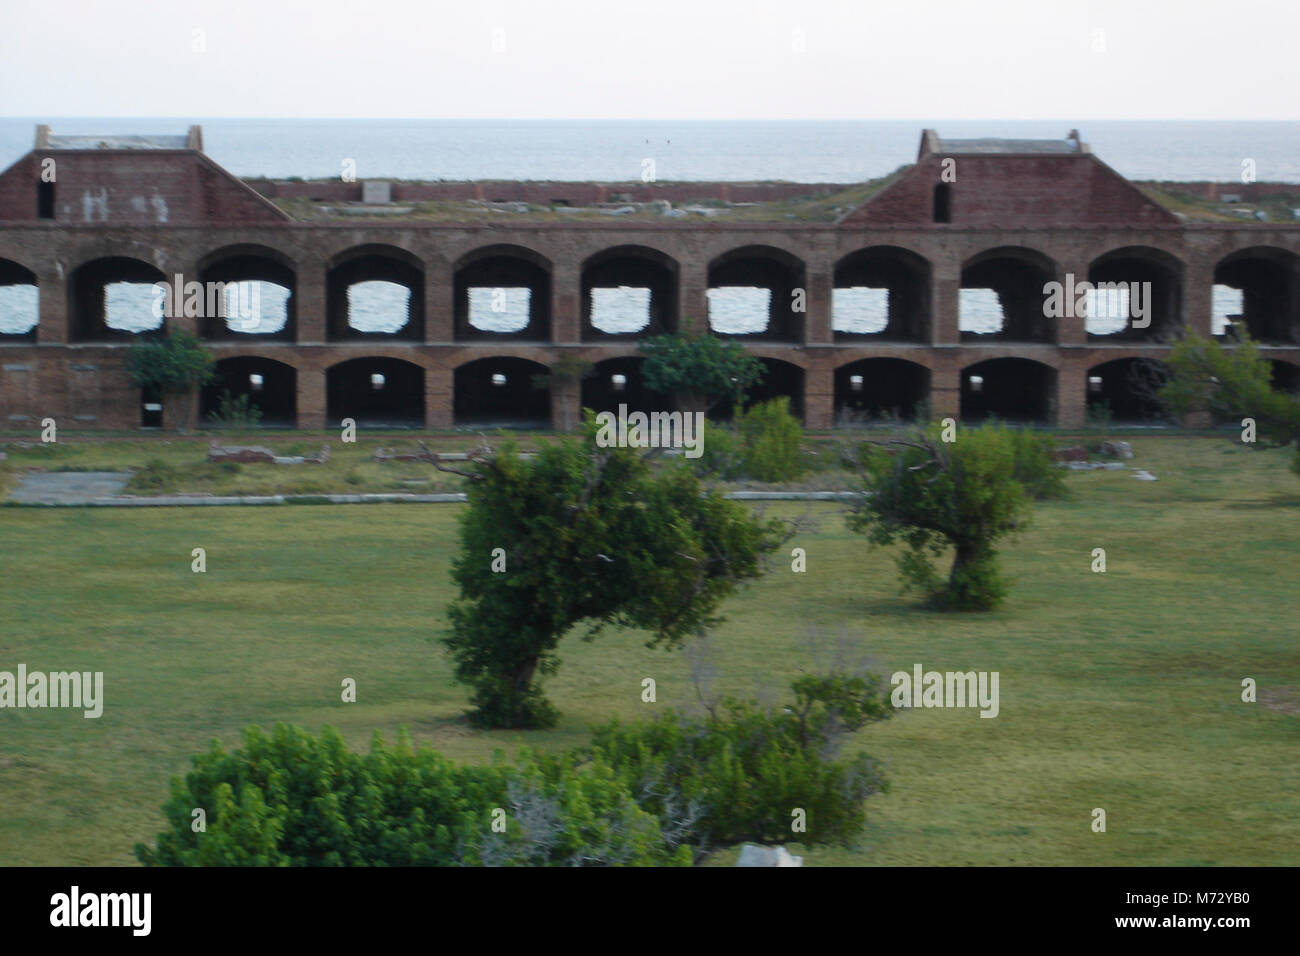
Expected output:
(1118, 690)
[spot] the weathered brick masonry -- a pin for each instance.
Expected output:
(1017, 214)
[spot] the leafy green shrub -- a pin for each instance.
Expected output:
(232, 412)
(736, 775)
(772, 438)
(290, 799)
(156, 475)
(1034, 465)
(722, 453)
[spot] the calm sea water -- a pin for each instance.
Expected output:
(847, 151)
(679, 150)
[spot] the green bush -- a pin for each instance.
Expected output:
(290, 799)
(738, 774)
(232, 412)
(1034, 465)
(772, 439)
(722, 454)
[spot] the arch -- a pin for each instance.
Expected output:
(1009, 389)
(873, 389)
(1155, 303)
(503, 391)
(20, 310)
(1286, 375)
(758, 269)
(386, 314)
(779, 378)
(246, 263)
(1124, 389)
(271, 386)
(603, 391)
(114, 284)
(489, 294)
(375, 391)
(650, 279)
(1269, 280)
(901, 315)
(1016, 276)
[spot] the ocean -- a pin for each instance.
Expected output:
(806, 152)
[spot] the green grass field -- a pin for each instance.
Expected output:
(1118, 690)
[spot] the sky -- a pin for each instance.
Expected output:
(652, 59)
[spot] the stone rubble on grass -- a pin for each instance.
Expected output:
(252, 454)
(751, 855)
(1143, 475)
(1117, 449)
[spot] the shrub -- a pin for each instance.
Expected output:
(1034, 465)
(290, 799)
(772, 439)
(722, 453)
(737, 775)
(232, 412)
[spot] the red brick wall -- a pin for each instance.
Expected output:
(1015, 191)
(132, 187)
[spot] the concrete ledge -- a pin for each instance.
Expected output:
(188, 501)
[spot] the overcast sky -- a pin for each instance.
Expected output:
(652, 59)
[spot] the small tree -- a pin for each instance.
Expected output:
(176, 364)
(932, 495)
(699, 369)
(584, 534)
(1231, 385)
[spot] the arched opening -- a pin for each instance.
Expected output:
(503, 292)
(1286, 376)
(1002, 299)
(618, 381)
(115, 299)
(1124, 390)
(629, 291)
(1009, 389)
(779, 378)
(882, 293)
(375, 392)
(1267, 282)
(375, 292)
(502, 393)
(1137, 295)
(20, 309)
(758, 292)
(881, 389)
(271, 387)
(255, 292)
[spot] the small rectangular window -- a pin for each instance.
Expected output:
(45, 200)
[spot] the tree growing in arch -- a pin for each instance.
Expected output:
(582, 534)
(699, 369)
(176, 364)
